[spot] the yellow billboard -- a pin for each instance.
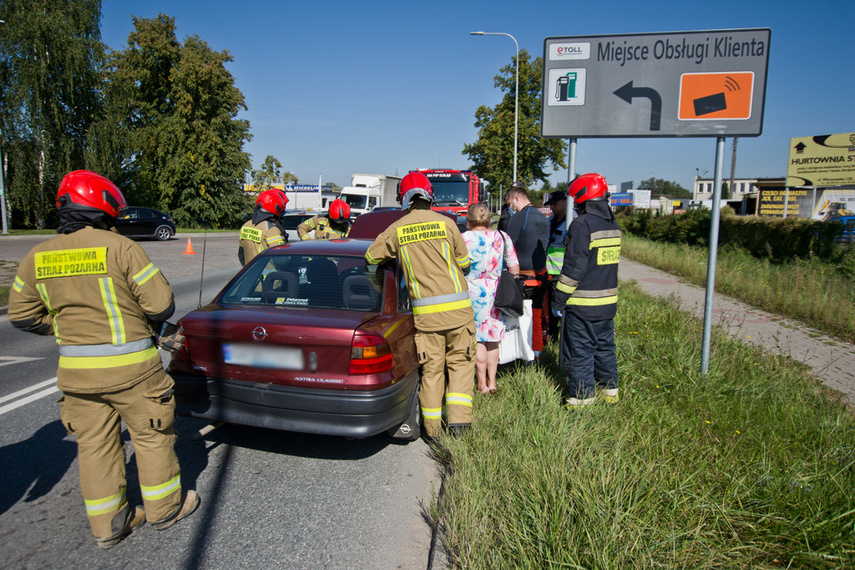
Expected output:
(825, 160)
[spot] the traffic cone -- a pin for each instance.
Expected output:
(189, 250)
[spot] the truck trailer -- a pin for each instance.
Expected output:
(369, 191)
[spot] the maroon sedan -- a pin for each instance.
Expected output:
(306, 338)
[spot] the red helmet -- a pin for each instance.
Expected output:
(281, 193)
(415, 184)
(588, 187)
(339, 210)
(272, 201)
(83, 189)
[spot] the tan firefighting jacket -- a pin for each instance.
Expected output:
(434, 257)
(255, 238)
(96, 291)
(323, 228)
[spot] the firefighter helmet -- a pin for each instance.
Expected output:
(272, 201)
(87, 190)
(279, 190)
(339, 210)
(588, 187)
(415, 185)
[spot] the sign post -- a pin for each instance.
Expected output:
(708, 83)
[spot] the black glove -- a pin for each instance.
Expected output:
(171, 337)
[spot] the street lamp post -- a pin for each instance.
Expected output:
(516, 90)
(2, 186)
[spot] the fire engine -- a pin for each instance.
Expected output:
(454, 190)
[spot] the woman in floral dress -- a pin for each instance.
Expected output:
(485, 254)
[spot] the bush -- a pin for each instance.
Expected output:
(776, 239)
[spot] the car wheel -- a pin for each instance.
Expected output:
(162, 233)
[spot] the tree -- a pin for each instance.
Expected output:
(127, 138)
(493, 153)
(182, 143)
(204, 165)
(269, 174)
(660, 187)
(50, 57)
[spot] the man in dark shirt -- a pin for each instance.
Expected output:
(528, 229)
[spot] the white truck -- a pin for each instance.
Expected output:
(369, 191)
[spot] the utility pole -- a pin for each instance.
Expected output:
(732, 169)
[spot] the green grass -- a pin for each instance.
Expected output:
(177, 230)
(45, 232)
(199, 231)
(816, 293)
(4, 296)
(752, 466)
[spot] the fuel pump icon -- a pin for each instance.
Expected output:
(566, 87)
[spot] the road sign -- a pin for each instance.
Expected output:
(677, 84)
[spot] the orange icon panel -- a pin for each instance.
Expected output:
(706, 96)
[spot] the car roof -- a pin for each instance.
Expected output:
(140, 208)
(372, 224)
(334, 247)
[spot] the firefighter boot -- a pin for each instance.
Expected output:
(127, 522)
(191, 502)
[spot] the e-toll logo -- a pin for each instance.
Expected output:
(579, 50)
(716, 96)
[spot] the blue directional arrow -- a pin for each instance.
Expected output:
(628, 93)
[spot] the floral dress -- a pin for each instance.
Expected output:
(485, 256)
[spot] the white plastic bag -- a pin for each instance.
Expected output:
(517, 341)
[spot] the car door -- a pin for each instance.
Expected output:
(128, 222)
(147, 222)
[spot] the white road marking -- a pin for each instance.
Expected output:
(30, 398)
(4, 360)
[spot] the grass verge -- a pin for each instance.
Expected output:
(811, 292)
(750, 466)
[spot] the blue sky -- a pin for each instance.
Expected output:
(384, 87)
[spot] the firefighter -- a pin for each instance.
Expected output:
(262, 231)
(430, 249)
(104, 300)
(335, 224)
(586, 293)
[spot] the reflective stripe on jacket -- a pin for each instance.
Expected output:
(434, 258)
(323, 228)
(589, 275)
(555, 247)
(96, 291)
(255, 238)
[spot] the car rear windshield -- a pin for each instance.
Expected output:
(290, 222)
(323, 282)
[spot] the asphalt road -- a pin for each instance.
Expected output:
(270, 499)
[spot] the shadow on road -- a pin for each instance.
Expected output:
(298, 444)
(32, 467)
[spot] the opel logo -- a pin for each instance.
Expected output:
(258, 333)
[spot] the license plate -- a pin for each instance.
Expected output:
(281, 357)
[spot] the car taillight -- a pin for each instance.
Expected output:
(370, 354)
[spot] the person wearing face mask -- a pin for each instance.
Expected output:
(528, 229)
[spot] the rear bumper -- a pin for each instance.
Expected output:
(350, 413)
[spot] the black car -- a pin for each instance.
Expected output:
(139, 222)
